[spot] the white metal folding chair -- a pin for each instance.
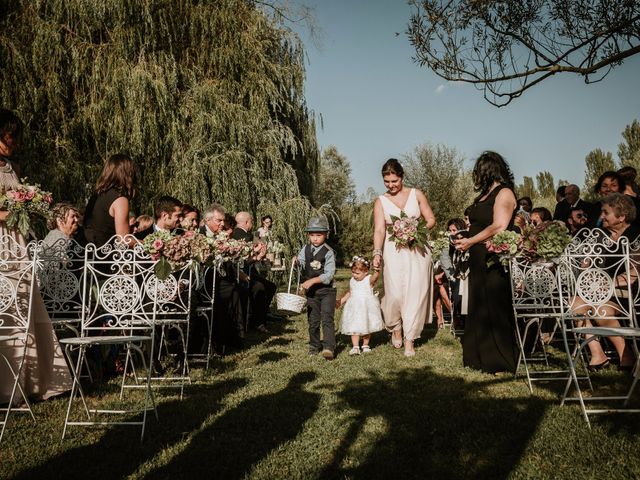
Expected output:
(207, 292)
(17, 283)
(172, 304)
(60, 268)
(116, 285)
(535, 298)
(596, 282)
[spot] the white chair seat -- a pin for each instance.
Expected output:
(104, 340)
(607, 331)
(10, 338)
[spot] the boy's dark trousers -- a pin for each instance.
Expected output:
(321, 306)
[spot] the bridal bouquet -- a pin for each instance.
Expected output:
(408, 232)
(24, 204)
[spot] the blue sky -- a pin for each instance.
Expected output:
(376, 103)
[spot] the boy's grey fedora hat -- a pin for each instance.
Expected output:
(317, 224)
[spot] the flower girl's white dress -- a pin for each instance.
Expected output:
(361, 314)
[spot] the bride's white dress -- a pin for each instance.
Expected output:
(408, 278)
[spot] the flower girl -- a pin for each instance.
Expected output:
(361, 315)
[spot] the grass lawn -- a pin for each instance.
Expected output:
(272, 411)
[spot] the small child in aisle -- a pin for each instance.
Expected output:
(318, 268)
(361, 315)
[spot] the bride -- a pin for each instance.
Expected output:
(407, 274)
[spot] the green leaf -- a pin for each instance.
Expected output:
(162, 268)
(23, 223)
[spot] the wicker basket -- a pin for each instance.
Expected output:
(290, 303)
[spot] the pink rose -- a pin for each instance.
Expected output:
(157, 244)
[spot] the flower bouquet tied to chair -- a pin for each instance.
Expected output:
(543, 243)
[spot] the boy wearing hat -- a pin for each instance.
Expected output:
(318, 263)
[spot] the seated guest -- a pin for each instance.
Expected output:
(261, 290)
(520, 221)
(525, 204)
(229, 224)
(572, 199)
(143, 222)
(609, 182)
(228, 323)
(190, 218)
(265, 229)
(213, 220)
(560, 192)
(629, 175)
(577, 219)
(167, 212)
(63, 224)
(132, 221)
(540, 215)
(618, 214)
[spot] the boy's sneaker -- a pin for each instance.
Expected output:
(355, 351)
(327, 354)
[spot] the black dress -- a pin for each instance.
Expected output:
(99, 225)
(489, 342)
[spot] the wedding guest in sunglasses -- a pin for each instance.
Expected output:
(578, 219)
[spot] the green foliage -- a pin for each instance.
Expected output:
(546, 184)
(439, 172)
(334, 185)
(526, 188)
(355, 235)
(597, 162)
(629, 151)
(207, 98)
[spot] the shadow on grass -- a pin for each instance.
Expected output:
(230, 447)
(436, 427)
(119, 452)
(272, 357)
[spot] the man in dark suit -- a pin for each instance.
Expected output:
(228, 323)
(571, 200)
(261, 290)
(167, 213)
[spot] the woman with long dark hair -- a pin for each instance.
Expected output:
(489, 335)
(107, 212)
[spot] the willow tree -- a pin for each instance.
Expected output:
(205, 95)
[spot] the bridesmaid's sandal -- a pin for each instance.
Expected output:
(409, 352)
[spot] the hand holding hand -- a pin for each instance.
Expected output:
(377, 261)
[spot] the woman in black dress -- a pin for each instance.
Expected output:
(489, 335)
(107, 212)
